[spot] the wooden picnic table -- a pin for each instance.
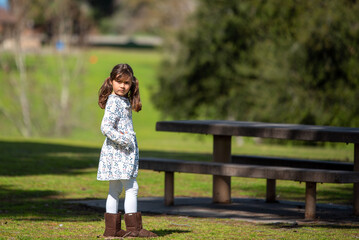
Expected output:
(222, 132)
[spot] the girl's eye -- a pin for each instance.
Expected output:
(124, 82)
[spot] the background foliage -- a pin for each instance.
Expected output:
(274, 61)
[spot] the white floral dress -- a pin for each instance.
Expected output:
(119, 153)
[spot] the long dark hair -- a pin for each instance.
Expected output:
(119, 71)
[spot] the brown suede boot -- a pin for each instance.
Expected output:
(134, 225)
(113, 226)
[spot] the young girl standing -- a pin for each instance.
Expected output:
(118, 163)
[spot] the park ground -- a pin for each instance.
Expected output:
(39, 176)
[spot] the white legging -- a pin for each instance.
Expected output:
(115, 189)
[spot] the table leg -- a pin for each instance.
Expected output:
(356, 185)
(221, 184)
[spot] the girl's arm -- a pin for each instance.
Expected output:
(109, 120)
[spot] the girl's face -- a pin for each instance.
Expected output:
(121, 86)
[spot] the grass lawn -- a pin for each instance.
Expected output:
(38, 176)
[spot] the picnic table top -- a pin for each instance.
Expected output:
(264, 130)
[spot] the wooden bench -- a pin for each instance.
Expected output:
(242, 167)
(311, 172)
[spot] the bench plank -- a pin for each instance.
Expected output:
(251, 171)
(292, 162)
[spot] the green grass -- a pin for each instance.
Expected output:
(169, 227)
(39, 176)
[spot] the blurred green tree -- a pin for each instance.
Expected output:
(275, 61)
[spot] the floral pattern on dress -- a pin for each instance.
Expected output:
(119, 153)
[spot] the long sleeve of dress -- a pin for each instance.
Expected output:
(109, 122)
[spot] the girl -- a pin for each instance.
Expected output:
(118, 164)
